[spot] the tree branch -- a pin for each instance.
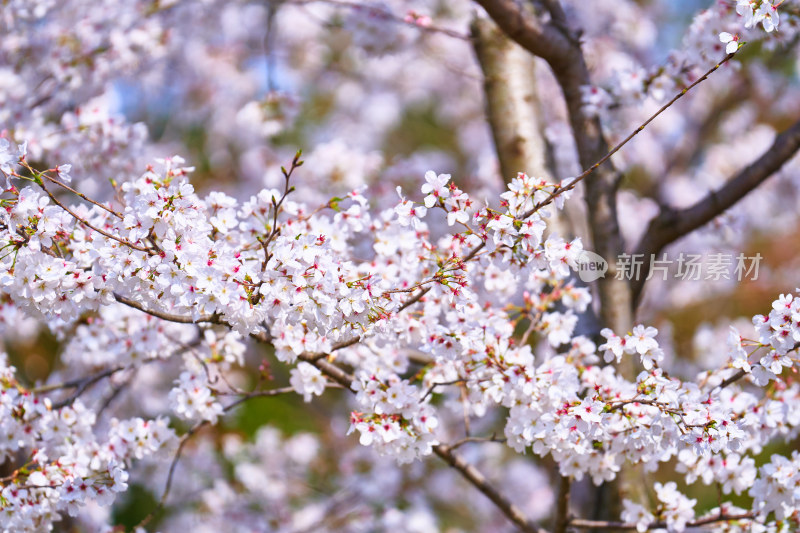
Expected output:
(558, 45)
(739, 374)
(602, 524)
(180, 319)
(479, 481)
(541, 40)
(93, 227)
(469, 472)
(509, 87)
(564, 55)
(562, 506)
(672, 224)
(514, 115)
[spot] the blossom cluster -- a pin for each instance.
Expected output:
(444, 314)
(69, 463)
(756, 12)
(674, 509)
(274, 269)
(396, 420)
(719, 23)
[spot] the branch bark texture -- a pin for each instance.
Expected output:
(672, 224)
(560, 47)
(512, 108)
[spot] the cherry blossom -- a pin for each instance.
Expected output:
(425, 304)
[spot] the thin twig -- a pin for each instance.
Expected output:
(603, 524)
(377, 10)
(80, 382)
(411, 301)
(259, 394)
(316, 356)
(81, 195)
(180, 319)
(440, 384)
(115, 392)
(189, 434)
(741, 373)
(276, 206)
(468, 440)
(733, 379)
(88, 382)
(95, 228)
(572, 184)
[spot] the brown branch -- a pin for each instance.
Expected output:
(316, 356)
(512, 107)
(332, 371)
(733, 379)
(468, 440)
(562, 506)
(741, 373)
(259, 394)
(469, 472)
(81, 195)
(414, 299)
(563, 53)
(80, 385)
(440, 384)
(170, 475)
(603, 524)
(109, 398)
(180, 319)
(95, 228)
(543, 40)
(559, 17)
(572, 184)
(672, 224)
(420, 359)
(479, 481)
(80, 382)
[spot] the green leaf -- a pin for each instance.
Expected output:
(333, 203)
